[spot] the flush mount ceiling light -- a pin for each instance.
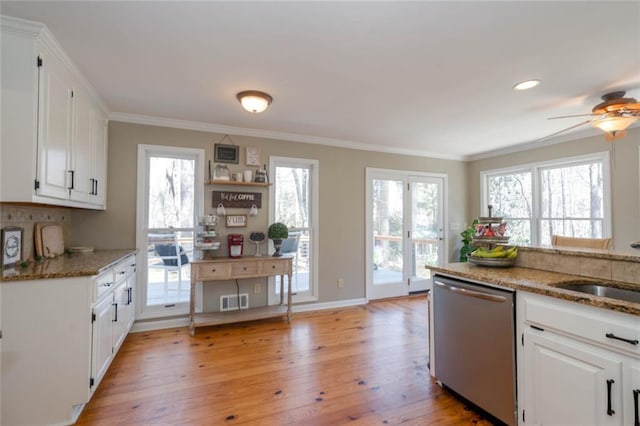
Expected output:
(528, 84)
(254, 101)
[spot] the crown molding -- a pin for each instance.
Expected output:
(21, 26)
(590, 132)
(41, 33)
(268, 134)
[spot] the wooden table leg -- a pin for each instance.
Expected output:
(192, 303)
(289, 311)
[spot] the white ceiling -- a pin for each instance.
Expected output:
(423, 78)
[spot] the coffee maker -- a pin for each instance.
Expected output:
(235, 245)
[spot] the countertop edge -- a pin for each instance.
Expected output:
(67, 266)
(546, 286)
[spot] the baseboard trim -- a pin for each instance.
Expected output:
(160, 324)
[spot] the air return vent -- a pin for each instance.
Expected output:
(229, 302)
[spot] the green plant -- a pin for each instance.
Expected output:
(277, 231)
(467, 237)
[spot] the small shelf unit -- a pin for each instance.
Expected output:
(234, 183)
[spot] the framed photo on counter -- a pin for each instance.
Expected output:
(11, 245)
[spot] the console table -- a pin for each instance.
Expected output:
(231, 269)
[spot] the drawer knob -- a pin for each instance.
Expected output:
(244, 269)
(213, 270)
(273, 266)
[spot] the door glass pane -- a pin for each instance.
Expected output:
(387, 231)
(170, 226)
(426, 229)
(292, 207)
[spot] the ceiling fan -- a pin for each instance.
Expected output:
(613, 116)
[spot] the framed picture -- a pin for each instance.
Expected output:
(11, 245)
(226, 153)
(237, 221)
(253, 156)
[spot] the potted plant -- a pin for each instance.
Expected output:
(467, 237)
(277, 232)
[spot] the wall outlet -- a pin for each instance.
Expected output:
(340, 282)
(257, 288)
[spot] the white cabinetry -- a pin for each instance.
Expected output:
(58, 341)
(569, 371)
(112, 315)
(54, 127)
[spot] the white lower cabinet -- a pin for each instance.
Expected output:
(569, 371)
(112, 317)
(59, 338)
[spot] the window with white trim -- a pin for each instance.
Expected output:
(294, 201)
(569, 197)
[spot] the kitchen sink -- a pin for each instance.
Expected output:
(603, 290)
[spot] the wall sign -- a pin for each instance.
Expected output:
(237, 199)
(226, 153)
(237, 221)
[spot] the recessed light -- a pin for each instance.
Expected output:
(528, 84)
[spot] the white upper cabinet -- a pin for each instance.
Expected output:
(54, 133)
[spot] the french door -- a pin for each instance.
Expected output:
(170, 196)
(405, 230)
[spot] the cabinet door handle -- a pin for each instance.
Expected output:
(95, 182)
(610, 411)
(116, 318)
(636, 392)
(630, 341)
(92, 183)
(72, 175)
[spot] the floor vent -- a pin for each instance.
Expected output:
(229, 302)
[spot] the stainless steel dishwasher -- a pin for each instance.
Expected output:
(474, 344)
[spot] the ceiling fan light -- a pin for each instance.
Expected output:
(614, 123)
(527, 84)
(254, 101)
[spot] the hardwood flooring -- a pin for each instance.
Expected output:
(363, 365)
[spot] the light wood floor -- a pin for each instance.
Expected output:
(363, 365)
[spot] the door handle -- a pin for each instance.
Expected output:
(630, 341)
(472, 293)
(636, 392)
(610, 411)
(116, 318)
(72, 176)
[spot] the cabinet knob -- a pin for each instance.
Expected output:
(273, 266)
(244, 269)
(213, 270)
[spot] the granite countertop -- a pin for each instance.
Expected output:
(541, 282)
(67, 266)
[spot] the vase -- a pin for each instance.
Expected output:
(277, 243)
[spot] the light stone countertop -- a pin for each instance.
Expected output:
(541, 282)
(67, 266)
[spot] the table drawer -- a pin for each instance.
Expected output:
(274, 267)
(212, 271)
(239, 269)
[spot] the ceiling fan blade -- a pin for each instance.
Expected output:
(562, 131)
(633, 107)
(570, 116)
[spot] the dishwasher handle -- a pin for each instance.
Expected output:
(472, 293)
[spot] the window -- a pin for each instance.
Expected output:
(294, 202)
(569, 197)
(170, 197)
